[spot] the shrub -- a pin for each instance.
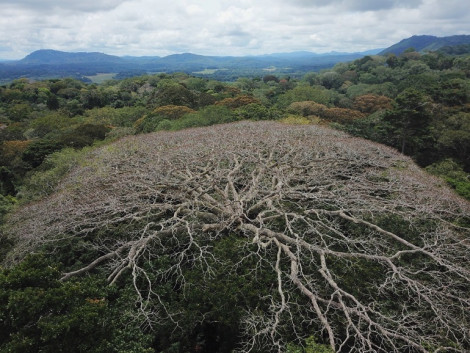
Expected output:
(238, 101)
(172, 112)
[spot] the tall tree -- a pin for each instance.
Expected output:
(332, 236)
(409, 121)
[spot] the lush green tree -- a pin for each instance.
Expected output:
(330, 79)
(454, 91)
(171, 93)
(301, 93)
(19, 112)
(123, 117)
(453, 174)
(237, 101)
(39, 313)
(52, 123)
(91, 98)
(42, 181)
(210, 115)
(37, 150)
(409, 121)
(392, 61)
(387, 89)
(52, 102)
(268, 78)
(14, 131)
(256, 111)
(453, 137)
(84, 135)
(196, 84)
(310, 346)
(6, 205)
(7, 183)
(307, 108)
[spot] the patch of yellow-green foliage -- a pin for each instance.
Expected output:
(295, 120)
(311, 346)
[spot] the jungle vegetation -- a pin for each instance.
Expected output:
(172, 213)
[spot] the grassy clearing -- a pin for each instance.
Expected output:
(100, 78)
(208, 71)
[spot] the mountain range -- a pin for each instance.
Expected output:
(426, 43)
(48, 63)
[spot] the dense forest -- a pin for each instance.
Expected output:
(292, 235)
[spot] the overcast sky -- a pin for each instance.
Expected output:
(221, 27)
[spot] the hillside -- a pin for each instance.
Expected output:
(223, 235)
(424, 43)
(54, 57)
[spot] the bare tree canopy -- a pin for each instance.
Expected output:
(366, 252)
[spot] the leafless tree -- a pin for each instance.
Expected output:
(322, 208)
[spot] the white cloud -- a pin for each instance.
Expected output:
(221, 27)
(48, 5)
(359, 5)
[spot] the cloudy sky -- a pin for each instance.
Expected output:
(221, 27)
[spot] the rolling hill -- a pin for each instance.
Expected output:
(423, 43)
(47, 63)
(55, 57)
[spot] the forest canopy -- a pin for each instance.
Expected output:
(171, 213)
(266, 233)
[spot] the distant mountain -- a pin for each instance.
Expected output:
(55, 57)
(47, 63)
(425, 43)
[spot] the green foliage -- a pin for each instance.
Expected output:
(207, 116)
(415, 103)
(164, 124)
(311, 346)
(372, 127)
(453, 174)
(387, 89)
(330, 80)
(148, 123)
(316, 94)
(14, 131)
(238, 101)
(211, 306)
(453, 137)
(6, 205)
(256, 111)
(123, 117)
(51, 123)
(307, 108)
(84, 135)
(295, 120)
(38, 150)
(171, 93)
(39, 313)
(19, 112)
(410, 120)
(7, 181)
(55, 166)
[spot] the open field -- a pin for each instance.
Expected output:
(100, 78)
